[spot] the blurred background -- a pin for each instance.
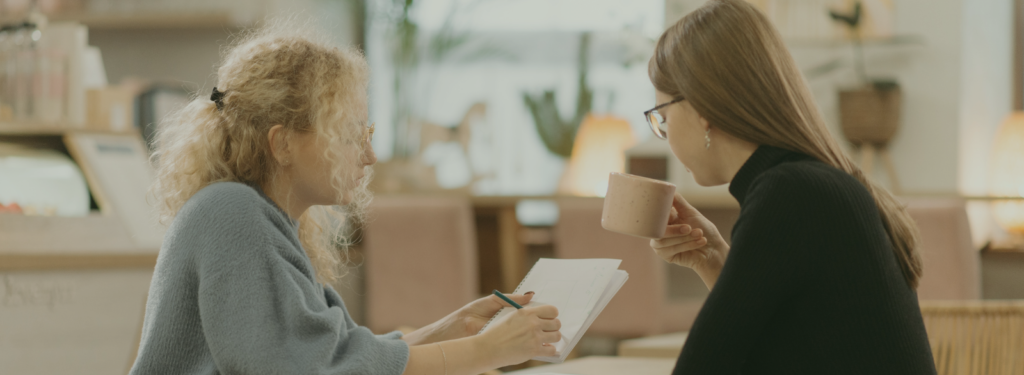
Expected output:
(497, 124)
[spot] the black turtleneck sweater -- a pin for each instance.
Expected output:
(811, 284)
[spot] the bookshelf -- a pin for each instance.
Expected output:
(100, 239)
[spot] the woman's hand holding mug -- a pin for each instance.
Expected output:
(692, 241)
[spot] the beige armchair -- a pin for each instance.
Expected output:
(952, 266)
(642, 306)
(421, 260)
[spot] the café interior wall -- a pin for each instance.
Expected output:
(189, 57)
(184, 58)
(927, 150)
(506, 151)
(986, 100)
(956, 82)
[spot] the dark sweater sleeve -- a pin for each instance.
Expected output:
(766, 267)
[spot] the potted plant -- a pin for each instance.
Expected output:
(870, 112)
(558, 133)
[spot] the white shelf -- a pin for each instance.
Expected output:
(46, 129)
(896, 40)
(150, 20)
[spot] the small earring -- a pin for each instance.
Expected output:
(707, 139)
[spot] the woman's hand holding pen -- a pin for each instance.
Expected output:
(453, 346)
(479, 312)
(464, 322)
(526, 333)
(692, 241)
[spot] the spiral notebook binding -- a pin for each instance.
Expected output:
(499, 311)
(522, 282)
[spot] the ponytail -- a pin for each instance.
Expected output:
(189, 155)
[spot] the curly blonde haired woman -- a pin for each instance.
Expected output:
(253, 178)
(821, 273)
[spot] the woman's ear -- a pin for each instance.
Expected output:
(704, 125)
(277, 137)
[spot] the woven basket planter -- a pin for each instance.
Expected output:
(869, 114)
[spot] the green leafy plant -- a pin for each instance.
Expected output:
(853, 21)
(411, 50)
(558, 133)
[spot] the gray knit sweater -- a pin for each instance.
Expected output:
(234, 293)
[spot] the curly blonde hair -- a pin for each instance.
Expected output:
(279, 74)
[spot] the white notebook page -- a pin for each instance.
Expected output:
(619, 278)
(575, 287)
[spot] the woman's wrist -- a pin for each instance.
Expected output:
(448, 328)
(711, 268)
(465, 356)
(423, 336)
(486, 351)
(413, 338)
(469, 355)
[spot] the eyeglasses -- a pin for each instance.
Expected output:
(657, 120)
(369, 132)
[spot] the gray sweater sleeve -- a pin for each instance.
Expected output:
(261, 310)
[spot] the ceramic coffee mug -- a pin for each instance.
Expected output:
(637, 206)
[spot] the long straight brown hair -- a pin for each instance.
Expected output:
(731, 64)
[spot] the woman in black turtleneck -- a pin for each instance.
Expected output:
(823, 267)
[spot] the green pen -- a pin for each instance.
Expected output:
(510, 302)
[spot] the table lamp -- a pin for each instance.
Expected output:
(599, 149)
(1007, 173)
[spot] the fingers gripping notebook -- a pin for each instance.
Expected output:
(579, 288)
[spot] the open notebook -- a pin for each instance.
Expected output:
(579, 288)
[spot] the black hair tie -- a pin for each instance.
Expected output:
(218, 98)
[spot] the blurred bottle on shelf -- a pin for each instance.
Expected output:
(50, 85)
(33, 74)
(23, 68)
(49, 82)
(7, 73)
(46, 69)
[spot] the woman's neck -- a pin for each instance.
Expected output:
(280, 192)
(735, 153)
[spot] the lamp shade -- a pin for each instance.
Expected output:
(599, 149)
(1007, 173)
